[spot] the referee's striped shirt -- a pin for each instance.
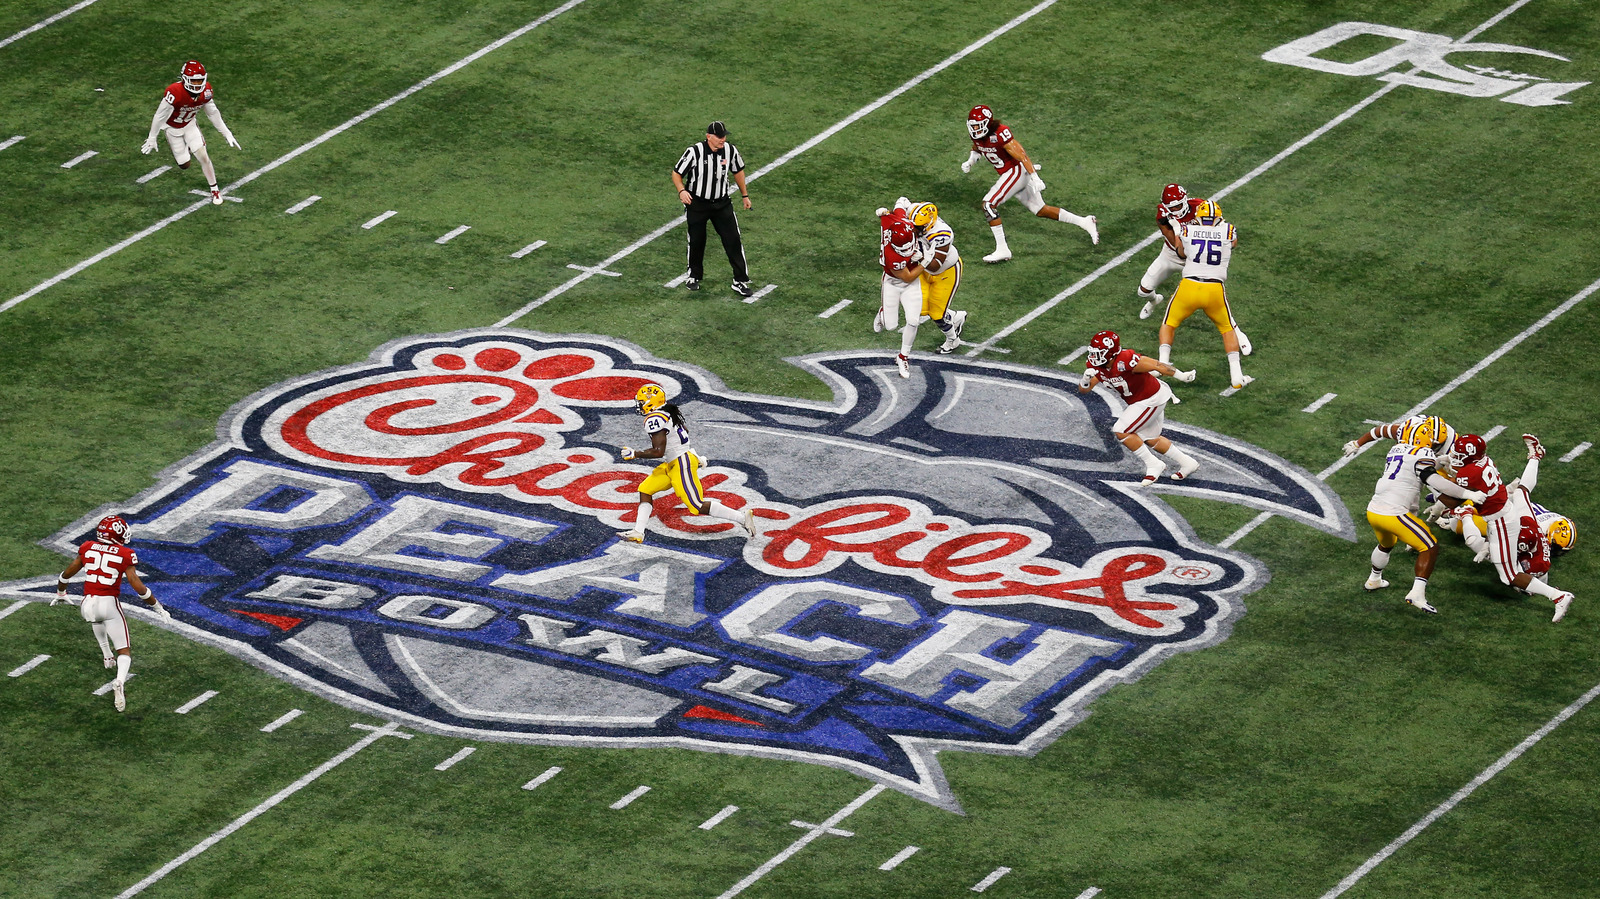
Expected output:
(705, 171)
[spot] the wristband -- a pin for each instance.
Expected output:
(145, 595)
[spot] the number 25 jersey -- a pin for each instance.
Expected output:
(103, 567)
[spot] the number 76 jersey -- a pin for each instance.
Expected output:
(1405, 470)
(1208, 249)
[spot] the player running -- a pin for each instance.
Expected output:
(179, 106)
(1139, 426)
(1175, 210)
(1019, 178)
(105, 561)
(679, 469)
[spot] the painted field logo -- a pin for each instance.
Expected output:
(1427, 52)
(955, 562)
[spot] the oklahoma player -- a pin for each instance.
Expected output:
(1175, 210)
(901, 260)
(179, 106)
(1139, 426)
(105, 561)
(1019, 178)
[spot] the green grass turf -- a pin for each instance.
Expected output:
(1377, 263)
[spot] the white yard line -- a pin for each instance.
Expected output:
(595, 270)
(899, 857)
(377, 220)
(29, 665)
(195, 703)
(719, 817)
(838, 126)
(106, 687)
(678, 281)
(1493, 432)
(527, 249)
(831, 310)
(80, 158)
(454, 234)
(1575, 452)
(550, 772)
(287, 717)
(1090, 893)
(292, 154)
(1463, 793)
(761, 293)
(1325, 400)
(1437, 395)
(42, 23)
(989, 881)
(302, 204)
(377, 734)
(1067, 359)
(144, 179)
(810, 835)
(12, 141)
(13, 607)
(627, 800)
(450, 762)
(206, 193)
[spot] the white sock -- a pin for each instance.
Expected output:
(1145, 293)
(999, 238)
(1530, 474)
(1079, 220)
(1178, 455)
(100, 637)
(1151, 463)
(644, 517)
(1540, 588)
(1234, 369)
(1380, 560)
(123, 662)
(1419, 588)
(717, 510)
(908, 336)
(1166, 354)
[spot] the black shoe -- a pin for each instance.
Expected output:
(692, 284)
(742, 288)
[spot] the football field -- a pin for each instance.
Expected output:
(432, 191)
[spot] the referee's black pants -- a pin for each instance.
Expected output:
(721, 216)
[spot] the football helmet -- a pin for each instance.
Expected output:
(1422, 432)
(1563, 534)
(1175, 201)
(1208, 212)
(979, 121)
(1467, 449)
(194, 77)
(649, 398)
(899, 235)
(1528, 538)
(1103, 346)
(923, 215)
(113, 529)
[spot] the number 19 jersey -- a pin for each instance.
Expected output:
(1404, 471)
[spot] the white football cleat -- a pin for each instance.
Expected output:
(632, 536)
(750, 520)
(1375, 583)
(1185, 469)
(1094, 230)
(954, 339)
(216, 200)
(1535, 448)
(1150, 305)
(1421, 603)
(903, 364)
(1001, 254)
(1244, 382)
(118, 697)
(1245, 348)
(1563, 602)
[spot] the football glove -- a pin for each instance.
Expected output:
(1351, 448)
(1475, 497)
(1435, 512)
(232, 141)
(1184, 376)
(149, 146)
(159, 609)
(1036, 181)
(966, 167)
(627, 453)
(61, 597)
(882, 211)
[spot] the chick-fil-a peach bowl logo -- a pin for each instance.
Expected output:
(960, 561)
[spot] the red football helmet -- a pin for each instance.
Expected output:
(1467, 449)
(1103, 346)
(979, 121)
(1175, 201)
(194, 77)
(113, 529)
(898, 232)
(1529, 538)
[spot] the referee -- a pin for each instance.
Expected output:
(701, 177)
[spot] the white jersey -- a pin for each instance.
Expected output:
(677, 436)
(1208, 247)
(939, 235)
(1405, 470)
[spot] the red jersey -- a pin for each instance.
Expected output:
(104, 564)
(1533, 549)
(1485, 478)
(891, 259)
(1188, 215)
(1118, 372)
(185, 106)
(992, 148)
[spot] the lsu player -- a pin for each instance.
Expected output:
(1504, 512)
(900, 258)
(1392, 511)
(105, 561)
(1405, 430)
(182, 102)
(679, 470)
(1019, 178)
(1175, 210)
(1139, 426)
(941, 270)
(1558, 530)
(1208, 243)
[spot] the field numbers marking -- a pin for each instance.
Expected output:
(761, 293)
(12, 141)
(158, 172)
(106, 687)
(527, 249)
(195, 703)
(838, 126)
(450, 762)
(80, 158)
(454, 234)
(1493, 432)
(805, 840)
(596, 270)
(899, 857)
(302, 204)
(207, 194)
(1325, 400)
(627, 800)
(390, 729)
(1575, 452)
(1463, 793)
(13, 607)
(719, 817)
(377, 220)
(292, 154)
(41, 24)
(834, 309)
(287, 717)
(989, 881)
(549, 772)
(29, 665)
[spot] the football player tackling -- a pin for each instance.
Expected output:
(679, 470)
(105, 561)
(1019, 178)
(176, 114)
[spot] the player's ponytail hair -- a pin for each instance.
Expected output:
(676, 413)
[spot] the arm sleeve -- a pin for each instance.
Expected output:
(974, 156)
(215, 115)
(163, 111)
(1441, 484)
